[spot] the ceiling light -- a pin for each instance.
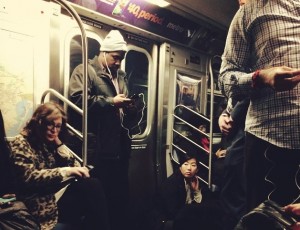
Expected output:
(160, 3)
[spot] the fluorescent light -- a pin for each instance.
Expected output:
(160, 3)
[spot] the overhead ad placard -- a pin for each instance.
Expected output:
(146, 16)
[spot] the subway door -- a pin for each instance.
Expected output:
(140, 65)
(183, 82)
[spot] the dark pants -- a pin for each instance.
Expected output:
(206, 215)
(233, 194)
(114, 175)
(83, 205)
(271, 172)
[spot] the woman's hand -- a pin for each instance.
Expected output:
(194, 183)
(57, 141)
(76, 171)
(9, 195)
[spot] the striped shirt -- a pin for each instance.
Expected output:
(264, 33)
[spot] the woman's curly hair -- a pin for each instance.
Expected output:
(42, 116)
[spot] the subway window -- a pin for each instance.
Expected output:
(136, 67)
(76, 50)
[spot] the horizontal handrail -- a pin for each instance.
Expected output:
(69, 103)
(61, 97)
(189, 109)
(189, 140)
(210, 136)
(73, 106)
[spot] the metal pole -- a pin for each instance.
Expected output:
(70, 9)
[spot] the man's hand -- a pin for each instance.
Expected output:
(121, 101)
(279, 78)
(225, 123)
(221, 153)
(295, 209)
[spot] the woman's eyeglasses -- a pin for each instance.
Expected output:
(52, 126)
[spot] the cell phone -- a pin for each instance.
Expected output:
(6, 200)
(134, 96)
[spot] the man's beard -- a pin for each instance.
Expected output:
(114, 71)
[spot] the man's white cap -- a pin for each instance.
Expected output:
(113, 41)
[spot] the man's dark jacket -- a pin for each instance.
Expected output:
(105, 132)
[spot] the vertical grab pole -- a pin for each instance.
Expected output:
(211, 120)
(70, 9)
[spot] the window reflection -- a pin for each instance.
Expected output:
(187, 94)
(188, 91)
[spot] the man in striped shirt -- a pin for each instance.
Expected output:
(261, 60)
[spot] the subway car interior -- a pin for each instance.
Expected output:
(172, 64)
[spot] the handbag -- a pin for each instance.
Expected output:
(15, 216)
(268, 216)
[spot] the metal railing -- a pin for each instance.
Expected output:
(208, 181)
(72, 129)
(210, 136)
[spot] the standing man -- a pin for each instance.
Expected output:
(261, 61)
(109, 145)
(232, 126)
(233, 194)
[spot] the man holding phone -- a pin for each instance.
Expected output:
(108, 141)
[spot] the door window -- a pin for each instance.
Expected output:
(136, 67)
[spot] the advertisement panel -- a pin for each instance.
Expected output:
(146, 16)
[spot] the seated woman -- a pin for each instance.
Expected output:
(191, 143)
(42, 162)
(184, 199)
(14, 214)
